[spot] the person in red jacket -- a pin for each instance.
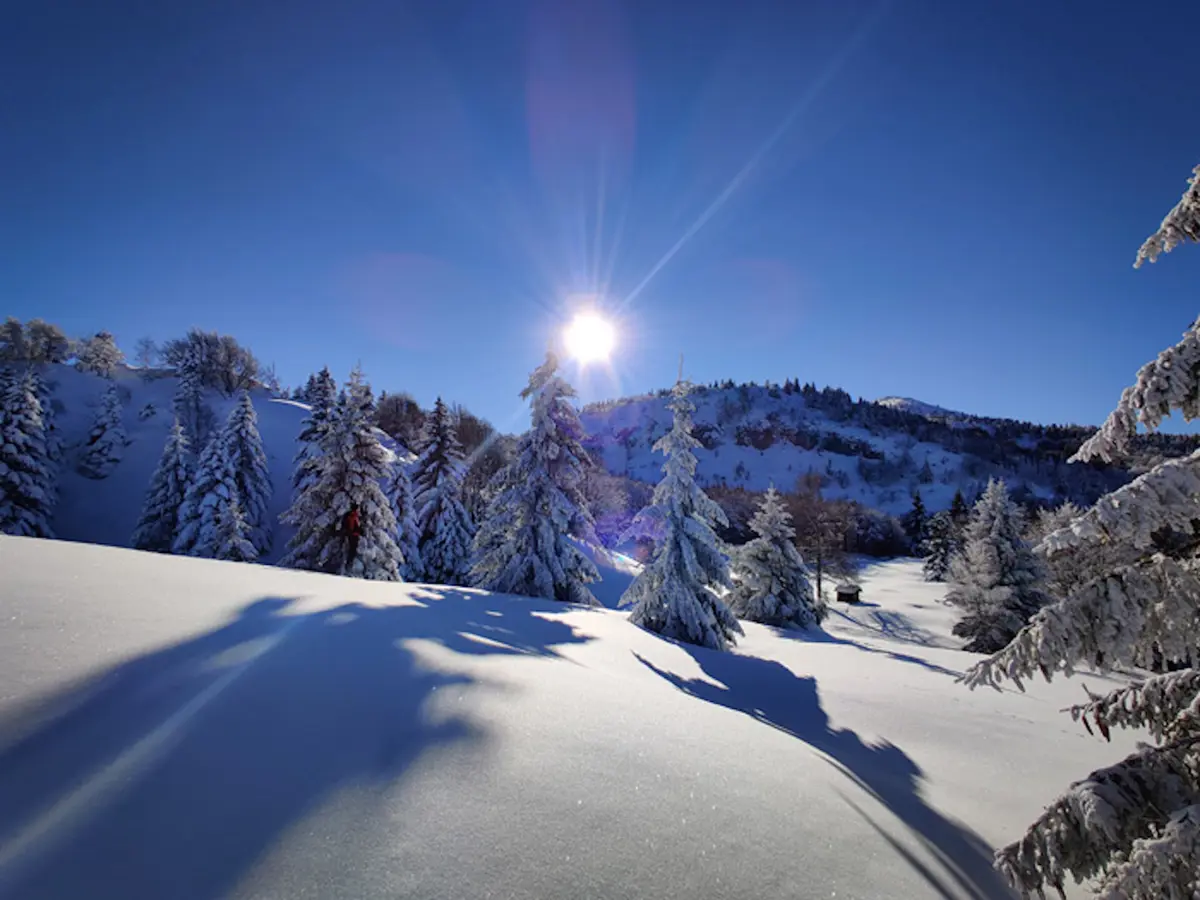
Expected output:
(352, 525)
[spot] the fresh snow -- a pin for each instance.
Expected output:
(175, 727)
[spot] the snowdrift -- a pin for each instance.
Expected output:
(183, 728)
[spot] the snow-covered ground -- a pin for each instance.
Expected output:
(182, 728)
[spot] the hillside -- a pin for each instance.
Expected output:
(105, 511)
(874, 453)
(194, 729)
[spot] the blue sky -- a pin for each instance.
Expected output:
(934, 199)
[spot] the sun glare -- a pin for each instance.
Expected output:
(590, 337)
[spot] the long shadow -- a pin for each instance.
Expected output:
(820, 636)
(770, 693)
(171, 774)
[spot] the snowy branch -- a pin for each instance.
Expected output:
(1168, 496)
(1113, 808)
(1164, 867)
(1171, 382)
(1181, 224)
(1167, 705)
(1122, 618)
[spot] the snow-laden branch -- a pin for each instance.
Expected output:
(1170, 382)
(1168, 496)
(1167, 705)
(1129, 803)
(1164, 867)
(1181, 224)
(1119, 619)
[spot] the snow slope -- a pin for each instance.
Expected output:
(105, 511)
(183, 728)
(920, 408)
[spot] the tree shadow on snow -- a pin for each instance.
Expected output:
(171, 774)
(820, 636)
(770, 693)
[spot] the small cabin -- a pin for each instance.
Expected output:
(849, 593)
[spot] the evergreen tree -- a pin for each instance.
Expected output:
(321, 395)
(398, 488)
(106, 443)
(524, 546)
(347, 476)
(99, 355)
(252, 479)
(232, 542)
(14, 346)
(156, 529)
(941, 545)
(26, 475)
(770, 584)
(673, 596)
(1133, 828)
(915, 524)
(960, 512)
(47, 343)
(997, 578)
(191, 409)
(212, 484)
(446, 528)
(49, 418)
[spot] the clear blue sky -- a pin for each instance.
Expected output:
(935, 199)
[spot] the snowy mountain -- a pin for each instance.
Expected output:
(175, 727)
(920, 408)
(874, 453)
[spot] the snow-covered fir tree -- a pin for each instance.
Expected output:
(960, 512)
(27, 487)
(212, 482)
(244, 449)
(941, 544)
(398, 488)
(99, 354)
(446, 528)
(347, 477)
(1132, 828)
(321, 395)
(915, 524)
(998, 580)
(770, 583)
(233, 542)
(49, 419)
(675, 594)
(190, 405)
(524, 545)
(105, 446)
(159, 522)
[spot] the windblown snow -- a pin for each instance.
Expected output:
(175, 727)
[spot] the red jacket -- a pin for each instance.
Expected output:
(352, 523)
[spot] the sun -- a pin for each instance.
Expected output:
(590, 337)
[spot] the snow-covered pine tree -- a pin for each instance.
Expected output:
(49, 420)
(398, 488)
(524, 545)
(347, 476)
(106, 442)
(998, 580)
(446, 528)
(26, 474)
(770, 583)
(674, 595)
(159, 521)
(99, 354)
(232, 542)
(1133, 828)
(190, 406)
(915, 524)
(941, 545)
(212, 481)
(244, 449)
(321, 395)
